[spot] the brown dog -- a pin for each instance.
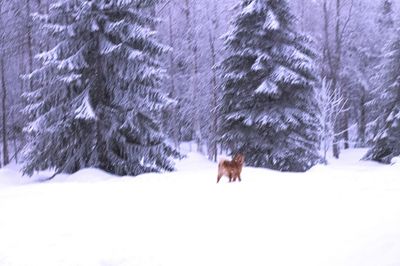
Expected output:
(231, 169)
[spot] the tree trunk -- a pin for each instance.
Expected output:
(153, 13)
(22, 69)
(334, 60)
(174, 94)
(214, 84)
(6, 159)
(193, 47)
(97, 99)
(199, 137)
(15, 149)
(345, 128)
(29, 40)
(302, 11)
(362, 125)
(214, 126)
(336, 128)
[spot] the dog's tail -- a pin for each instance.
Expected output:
(220, 169)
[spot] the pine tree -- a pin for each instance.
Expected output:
(268, 106)
(386, 143)
(384, 35)
(97, 98)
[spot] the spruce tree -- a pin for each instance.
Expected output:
(269, 109)
(96, 101)
(384, 35)
(386, 143)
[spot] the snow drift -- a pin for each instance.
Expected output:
(346, 213)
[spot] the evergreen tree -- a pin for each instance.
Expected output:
(97, 98)
(384, 35)
(268, 106)
(386, 143)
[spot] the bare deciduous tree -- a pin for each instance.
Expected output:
(332, 57)
(332, 105)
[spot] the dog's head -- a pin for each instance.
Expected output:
(239, 158)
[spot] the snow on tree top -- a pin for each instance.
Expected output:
(107, 47)
(258, 64)
(85, 110)
(112, 26)
(71, 78)
(271, 22)
(267, 87)
(255, 6)
(286, 75)
(94, 26)
(74, 62)
(394, 115)
(135, 54)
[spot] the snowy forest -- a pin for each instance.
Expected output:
(119, 85)
(258, 132)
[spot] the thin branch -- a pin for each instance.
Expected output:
(346, 130)
(326, 29)
(347, 20)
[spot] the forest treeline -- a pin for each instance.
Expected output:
(119, 85)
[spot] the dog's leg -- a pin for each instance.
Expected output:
(234, 174)
(218, 178)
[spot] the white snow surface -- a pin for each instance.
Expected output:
(347, 213)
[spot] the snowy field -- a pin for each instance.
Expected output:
(347, 213)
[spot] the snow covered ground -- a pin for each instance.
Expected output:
(344, 214)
